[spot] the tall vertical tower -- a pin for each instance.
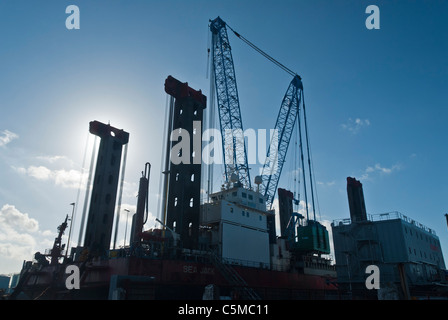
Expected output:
(356, 200)
(104, 192)
(285, 199)
(184, 184)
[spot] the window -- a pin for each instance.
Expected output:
(234, 193)
(244, 194)
(260, 200)
(251, 197)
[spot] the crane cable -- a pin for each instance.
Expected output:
(280, 65)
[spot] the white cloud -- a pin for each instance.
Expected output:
(53, 159)
(130, 190)
(67, 179)
(6, 137)
(40, 173)
(327, 184)
(64, 178)
(20, 238)
(377, 168)
(13, 218)
(353, 126)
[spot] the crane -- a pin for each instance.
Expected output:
(230, 117)
(234, 148)
(284, 126)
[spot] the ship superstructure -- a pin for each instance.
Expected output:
(236, 221)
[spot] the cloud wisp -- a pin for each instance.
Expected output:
(6, 137)
(354, 126)
(378, 169)
(64, 178)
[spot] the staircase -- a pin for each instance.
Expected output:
(234, 279)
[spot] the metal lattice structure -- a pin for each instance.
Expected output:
(234, 149)
(278, 148)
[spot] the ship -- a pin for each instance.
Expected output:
(224, 248)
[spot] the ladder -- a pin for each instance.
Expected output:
(234, 279)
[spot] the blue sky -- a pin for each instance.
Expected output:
(376, 103)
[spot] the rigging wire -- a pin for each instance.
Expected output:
(211, 123)
(264, 54)
(120, 193)
(208, 53)
(87, 196)
(308, 154)
(303, 166)
(297, 169)
(162, 159)
(80, 183)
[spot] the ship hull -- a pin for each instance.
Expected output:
(152, 279)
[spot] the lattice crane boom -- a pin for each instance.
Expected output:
(278, 148)
(234, 149)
